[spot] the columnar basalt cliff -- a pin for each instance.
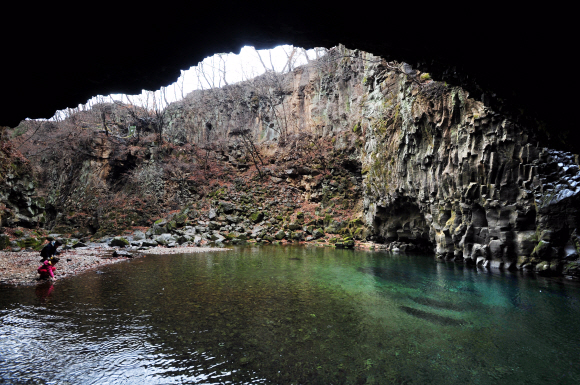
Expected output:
(444, 168)
(350, 144)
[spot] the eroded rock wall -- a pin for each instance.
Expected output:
(443, 168)
(440, 169)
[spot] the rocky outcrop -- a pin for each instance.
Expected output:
(440, 170)
(22, 205)
(443, 168)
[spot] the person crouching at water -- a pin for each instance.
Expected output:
(46, 270)
(49, 252)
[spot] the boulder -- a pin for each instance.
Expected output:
(543, 250)
(571, 269)
(543, 267)
(214, 225)
(318, 233)
(212, 214)
(181, 239)
(4, 241)
(138, 235)
(119, 241)
(267, 238)
(348, 243)
(181, 218)
(258, 232)
(297, 236)
(165, 239)
(159, 227)
(232, 219)
(171, 226)
(524, 242)
(227, 207)
(218, 239)
(257, 217)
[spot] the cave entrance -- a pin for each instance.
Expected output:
(401, 221)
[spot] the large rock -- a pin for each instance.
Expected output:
(542, 251)
(4, 241)
(257, 217)
(212, 214)
(119, 241)
(217, 238)
(227, 207)
(318, 233)
(232, 219)
(214, 225)
(165, 239)
(159, 227)
(258, 232)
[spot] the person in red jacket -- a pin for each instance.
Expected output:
(46, 270)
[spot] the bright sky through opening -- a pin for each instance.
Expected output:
(210, 73)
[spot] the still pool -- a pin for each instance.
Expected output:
(291, 315)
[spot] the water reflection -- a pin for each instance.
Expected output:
(44, 290)
(292, 315)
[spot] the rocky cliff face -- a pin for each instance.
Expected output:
(439, 168)
(20, 204)
(443, 168)
(23, 207)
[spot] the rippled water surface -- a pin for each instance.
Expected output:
(284, 315)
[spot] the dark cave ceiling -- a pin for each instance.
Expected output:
(55, 58)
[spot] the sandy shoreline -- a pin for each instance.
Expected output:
(20, 268)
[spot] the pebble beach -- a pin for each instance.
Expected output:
(19, 268)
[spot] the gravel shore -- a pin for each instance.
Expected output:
(20, 268)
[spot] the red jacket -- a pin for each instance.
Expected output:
(46, 270)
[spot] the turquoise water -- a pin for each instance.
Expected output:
(291, 315)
